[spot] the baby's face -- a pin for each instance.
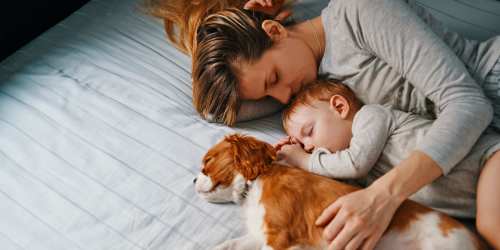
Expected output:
(319, 125)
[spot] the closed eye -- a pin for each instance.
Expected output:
(205, 161)
(307, 131)
(311, 131)
(273, 81)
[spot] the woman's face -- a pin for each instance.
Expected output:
(279, 73)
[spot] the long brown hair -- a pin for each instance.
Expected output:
(224, 39)
(182, 17)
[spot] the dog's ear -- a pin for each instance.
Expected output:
(251, 156)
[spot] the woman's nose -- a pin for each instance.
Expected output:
(282, 94)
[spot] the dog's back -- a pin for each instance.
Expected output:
(293, 199)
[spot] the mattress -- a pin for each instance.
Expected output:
(99, 142)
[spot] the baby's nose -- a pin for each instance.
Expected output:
(194, 180)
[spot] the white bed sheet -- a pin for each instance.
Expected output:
(99, 142)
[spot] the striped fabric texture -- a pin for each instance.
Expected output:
(99, 142)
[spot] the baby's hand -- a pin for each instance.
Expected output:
(282, 142)
(294, 155)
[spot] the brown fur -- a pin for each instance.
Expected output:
(294, 198)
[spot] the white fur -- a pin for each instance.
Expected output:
(254, 212)
(424, 234)
(219, 195)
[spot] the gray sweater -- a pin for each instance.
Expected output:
(394, 53)
(383, 137)
(388, 55)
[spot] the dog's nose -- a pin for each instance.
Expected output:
(194, 180)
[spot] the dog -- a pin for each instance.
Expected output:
(281, 203)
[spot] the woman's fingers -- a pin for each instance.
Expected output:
(366, 212)
(283, 15)
(328, 214)
(344, 237)
(256, 4)
(336, 224)
(356, 242)
(250, 5)
(370, 243)
(333, 229)
(268, 7)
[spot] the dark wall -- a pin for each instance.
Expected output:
(23, 20)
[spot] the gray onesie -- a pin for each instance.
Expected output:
(383, 137)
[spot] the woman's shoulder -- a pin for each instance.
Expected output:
(361, 8)
(357, 3)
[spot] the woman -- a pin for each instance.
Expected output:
(181, 18)
(387, 54)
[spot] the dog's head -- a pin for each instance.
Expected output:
(230, 166)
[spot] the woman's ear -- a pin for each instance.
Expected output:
(274, 30)
(340, 105)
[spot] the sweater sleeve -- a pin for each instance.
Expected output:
(371, 128)
(391, 31)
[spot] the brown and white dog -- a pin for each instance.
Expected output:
(281, 203)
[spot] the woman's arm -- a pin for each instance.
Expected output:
(390, 30)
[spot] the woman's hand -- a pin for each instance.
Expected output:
(358, 220)
(294, 155)
(269, 7)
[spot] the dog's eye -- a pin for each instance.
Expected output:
(207, 160)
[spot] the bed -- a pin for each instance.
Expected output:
(99, 143)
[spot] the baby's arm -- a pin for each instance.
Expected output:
(371, 128)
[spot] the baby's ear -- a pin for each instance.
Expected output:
(340, 105)
(251, 156)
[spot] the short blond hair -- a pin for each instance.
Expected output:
(320, 90)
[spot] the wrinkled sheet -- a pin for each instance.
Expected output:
(99, 143)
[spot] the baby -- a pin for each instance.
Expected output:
(333, 134)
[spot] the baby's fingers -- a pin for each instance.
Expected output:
(281, 143)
